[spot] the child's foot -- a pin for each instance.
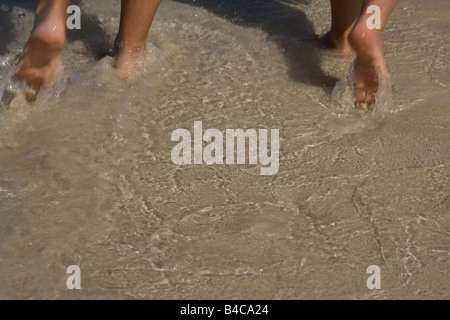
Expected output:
(125, 65)
(370, 63)
(338, 43)
(126, 61)
(42, 56)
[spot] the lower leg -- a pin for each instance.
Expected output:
(344, 15)
(42, 53)
(135, 20)
(368, 43)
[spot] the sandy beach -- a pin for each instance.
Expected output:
(87, 178)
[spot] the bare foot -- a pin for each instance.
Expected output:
(340, 44)
(125, 65)
(42, 55)
(370, 64)
(126, 61)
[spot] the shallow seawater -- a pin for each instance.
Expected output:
(86, 176)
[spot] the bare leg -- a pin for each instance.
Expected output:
(344, 15)
(135, 20)
(370, 62)
(42, 53)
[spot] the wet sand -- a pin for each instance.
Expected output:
(86, 176)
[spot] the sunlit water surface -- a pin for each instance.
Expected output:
(86, 176)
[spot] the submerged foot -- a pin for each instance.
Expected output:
(126, 60)
(370, 65)
(42, 56)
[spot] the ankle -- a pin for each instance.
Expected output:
(340, 43)
(367, 43)
(129, 48)
(50, 34)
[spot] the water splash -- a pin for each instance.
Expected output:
(343, 96)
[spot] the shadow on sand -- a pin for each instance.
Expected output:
(285, 25)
